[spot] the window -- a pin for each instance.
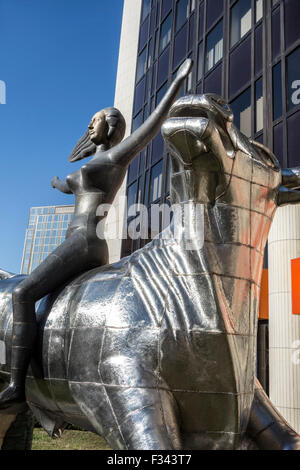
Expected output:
(259, 10)
(293, 81)
(277, 92)
(146, 8)
(241, 18)
(181, 13)
(214, 9)
(291, 20)
(241, 108)
(165, 33)
(131, 195)
(259, 114)
(200, 62)
(214, 46)
(156, 182)
(141, 64)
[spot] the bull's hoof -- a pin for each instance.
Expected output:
(12, 397)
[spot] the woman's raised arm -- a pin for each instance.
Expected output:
(123, 153)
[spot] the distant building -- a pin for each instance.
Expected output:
(46, 230)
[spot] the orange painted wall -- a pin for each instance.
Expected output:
(295, 266)
(264, 296)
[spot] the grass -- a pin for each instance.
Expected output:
(70, 440)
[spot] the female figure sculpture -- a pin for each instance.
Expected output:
(95, 183)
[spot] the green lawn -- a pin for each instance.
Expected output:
(70, 440)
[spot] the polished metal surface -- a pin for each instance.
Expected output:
(95, 184)
(157, 351)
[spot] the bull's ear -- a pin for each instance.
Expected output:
(291, 178)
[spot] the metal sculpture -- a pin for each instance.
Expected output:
(96, 183)
(157, 351)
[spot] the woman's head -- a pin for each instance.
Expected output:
(107, 127)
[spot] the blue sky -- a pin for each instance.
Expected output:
(58, 59)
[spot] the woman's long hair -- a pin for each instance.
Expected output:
(116, 130)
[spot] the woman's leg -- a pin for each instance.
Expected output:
(68, 260)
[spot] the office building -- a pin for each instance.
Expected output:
(248, 51)
(46, 230)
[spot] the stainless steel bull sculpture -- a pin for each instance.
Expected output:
(157, 351)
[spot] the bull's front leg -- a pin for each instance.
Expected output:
(267, 428)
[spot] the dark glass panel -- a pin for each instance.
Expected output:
(277, 92)
(180, 46)
(258, 50)
(142, 161)
(192, 33)
(213, 11)
(259, 106)
(141, 64)
(276, 33)
(241, 18)
(214, 46)
(153, 77)
(133, 170)
(152, 21)
(146, 8)
(240, 66)
(181, 13)
(165, 33)
(199, 89)
(213, 83)
(241, 108)
(150, 53)
(131, 195)
(161, 93)
(157, 148)
(143, 34)
(201, 20)
(137, 121)
(278, 143)
(166, 7)
(139, 96)
(293, 79)
(292, 17)
(293, 140)
(200, 62)
(156, 182)
(163, 67)
(260, 138)
(146, 193)
(158, 12)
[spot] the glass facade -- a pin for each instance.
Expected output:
(46, 230)
(248, 51)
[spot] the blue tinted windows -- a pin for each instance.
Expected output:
(241, 19)
(165, 33)
(181, 13)
(141, 64)
(146, 8)
(214, 46)
(277, 92)
(293, 79)
(241, 108)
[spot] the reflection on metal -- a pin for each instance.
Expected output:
(157, 351)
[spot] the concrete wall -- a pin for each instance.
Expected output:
(124, 97)
(284, 327)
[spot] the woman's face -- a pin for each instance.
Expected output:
(98, 128)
